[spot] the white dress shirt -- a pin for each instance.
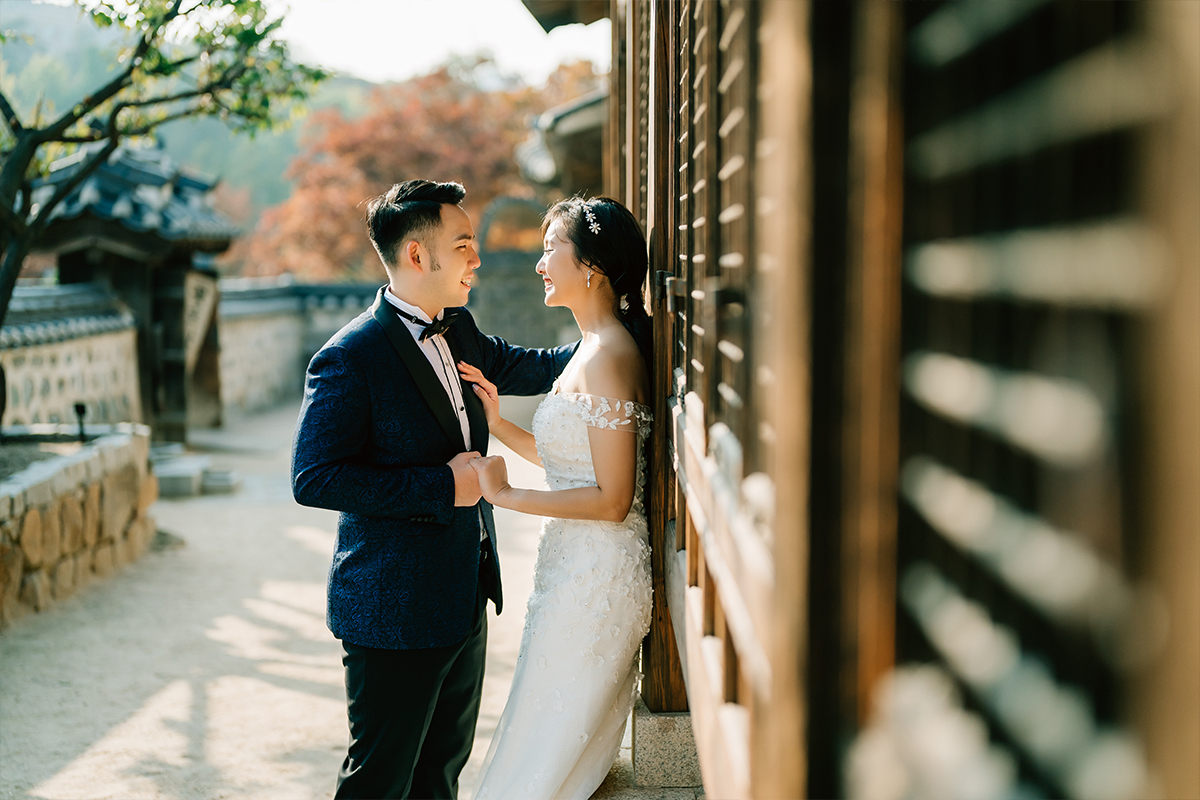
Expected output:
(437, 351)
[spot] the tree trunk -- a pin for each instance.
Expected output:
(14, 252)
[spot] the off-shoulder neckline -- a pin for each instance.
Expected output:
(558, 392)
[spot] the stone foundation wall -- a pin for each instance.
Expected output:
(72, 519)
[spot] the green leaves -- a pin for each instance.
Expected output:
(183, 58)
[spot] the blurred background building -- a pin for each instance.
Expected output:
(926, 289)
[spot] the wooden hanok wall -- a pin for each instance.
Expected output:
(839, 200)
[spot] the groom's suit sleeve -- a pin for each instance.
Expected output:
(521, 370)
(327, 467)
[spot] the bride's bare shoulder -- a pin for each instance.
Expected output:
(615, 369)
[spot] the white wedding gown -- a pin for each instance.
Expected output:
(576, 673)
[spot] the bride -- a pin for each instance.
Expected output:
(576, 673)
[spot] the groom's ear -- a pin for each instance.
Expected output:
(412, 255)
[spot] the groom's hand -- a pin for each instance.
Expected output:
(466, 479)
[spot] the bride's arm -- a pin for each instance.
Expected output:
(613, 443)
(614, 459)
(516, 438)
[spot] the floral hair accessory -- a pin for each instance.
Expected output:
(593, 226)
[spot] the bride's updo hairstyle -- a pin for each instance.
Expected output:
(608, 240)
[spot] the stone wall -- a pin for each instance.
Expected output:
(63, 345)
(269, 330)
(260, 360)
(74, 518)
(507, 301)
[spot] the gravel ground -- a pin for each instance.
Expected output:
(205, 670)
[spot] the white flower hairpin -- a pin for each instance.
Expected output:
(593, 226)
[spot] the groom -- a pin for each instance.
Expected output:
(385, 435)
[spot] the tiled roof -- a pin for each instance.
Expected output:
(42, 314)
(145, 191)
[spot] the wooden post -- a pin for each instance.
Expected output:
(872, 350)
(663, 686)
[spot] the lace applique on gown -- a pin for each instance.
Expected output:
(575, 677)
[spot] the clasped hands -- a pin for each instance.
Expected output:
(478, 476)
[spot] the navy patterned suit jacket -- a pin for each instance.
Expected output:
(376, 431)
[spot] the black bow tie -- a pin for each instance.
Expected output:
(435, 328)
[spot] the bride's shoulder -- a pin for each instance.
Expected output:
(615, 369)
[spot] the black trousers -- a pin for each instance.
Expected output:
(412, 714)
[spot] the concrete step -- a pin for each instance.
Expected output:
(619, 785)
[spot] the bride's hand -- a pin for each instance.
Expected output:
(493, 476)
(485, 390)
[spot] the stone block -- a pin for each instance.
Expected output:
(148, 492)
(139, 450)
(70, 516)
(94, 466)
(31, 537)
(51, 535)
(61, 482)
(35, 590)
(139, 535)
(664, 749)
(220, 481)
(83, 568)
(12, 564)
(15, 492)
(64, 578)
(91, 514)
(102, 561)
(182, 476)
(120, 553)
(76, 470)
(7, 490)
(118, 501)
(39, 490)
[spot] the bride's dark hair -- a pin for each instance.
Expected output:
(608, 240)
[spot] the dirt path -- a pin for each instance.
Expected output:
(205, 671)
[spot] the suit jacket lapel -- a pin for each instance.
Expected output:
(423, 375)
(475, 413)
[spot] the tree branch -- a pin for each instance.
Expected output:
(110, 89)
(11, 221)
(168, 98)
(10, 116)
(69, 185)
(148, 127)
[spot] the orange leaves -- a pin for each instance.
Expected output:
(460, 122)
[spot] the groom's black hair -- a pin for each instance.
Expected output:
(409, 210)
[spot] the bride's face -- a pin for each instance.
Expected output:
(564, 279)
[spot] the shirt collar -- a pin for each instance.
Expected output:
(408, 308)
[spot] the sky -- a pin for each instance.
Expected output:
(389, 40)
(384, 40)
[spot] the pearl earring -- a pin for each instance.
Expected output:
(589, 279)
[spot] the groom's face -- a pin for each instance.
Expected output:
(453, 259)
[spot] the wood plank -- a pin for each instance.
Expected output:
(722, 739)
(872, 352)
(781, 299)
(1166, 695)
(728, 549)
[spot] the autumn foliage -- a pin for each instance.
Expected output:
(446, 125)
